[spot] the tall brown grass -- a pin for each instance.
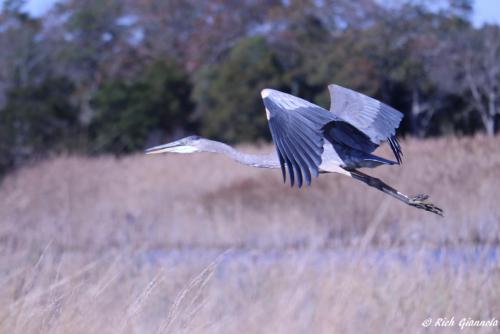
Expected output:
(200, 244)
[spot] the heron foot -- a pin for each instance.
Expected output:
(420, 202)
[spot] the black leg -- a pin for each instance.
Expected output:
(419, 201)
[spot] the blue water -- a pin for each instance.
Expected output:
(430, 258)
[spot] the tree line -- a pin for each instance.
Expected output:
(116, 76)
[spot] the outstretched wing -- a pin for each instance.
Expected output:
(375, 119)
(297, 130)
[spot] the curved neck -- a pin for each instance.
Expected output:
(255, 160)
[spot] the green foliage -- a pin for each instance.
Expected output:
(117, 98)
(36, 120)
(13, 6)
(314, 58)
(228, 96)
(127, 113)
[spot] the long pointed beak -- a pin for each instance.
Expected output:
(169, 147)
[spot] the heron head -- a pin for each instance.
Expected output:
(188, 144)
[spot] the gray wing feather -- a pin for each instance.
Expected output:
(372, 117)
(297, 129)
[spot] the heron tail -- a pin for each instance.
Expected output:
(371, 160)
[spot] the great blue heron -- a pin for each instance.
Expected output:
(310, 140)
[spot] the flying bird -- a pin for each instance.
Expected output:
(311, 140)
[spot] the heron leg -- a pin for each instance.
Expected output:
(419, 201)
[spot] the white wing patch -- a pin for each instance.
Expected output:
(265, 93)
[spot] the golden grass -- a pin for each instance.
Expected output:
(199, 244)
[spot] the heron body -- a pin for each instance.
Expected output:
(310, 140)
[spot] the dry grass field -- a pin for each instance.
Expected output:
(199, 244)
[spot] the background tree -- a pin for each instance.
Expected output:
(36, 120)
(478, 66)
(147, 110)
(198, 33)
(133, 73)
(23, 59)
(91, 45)
(228, 94)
